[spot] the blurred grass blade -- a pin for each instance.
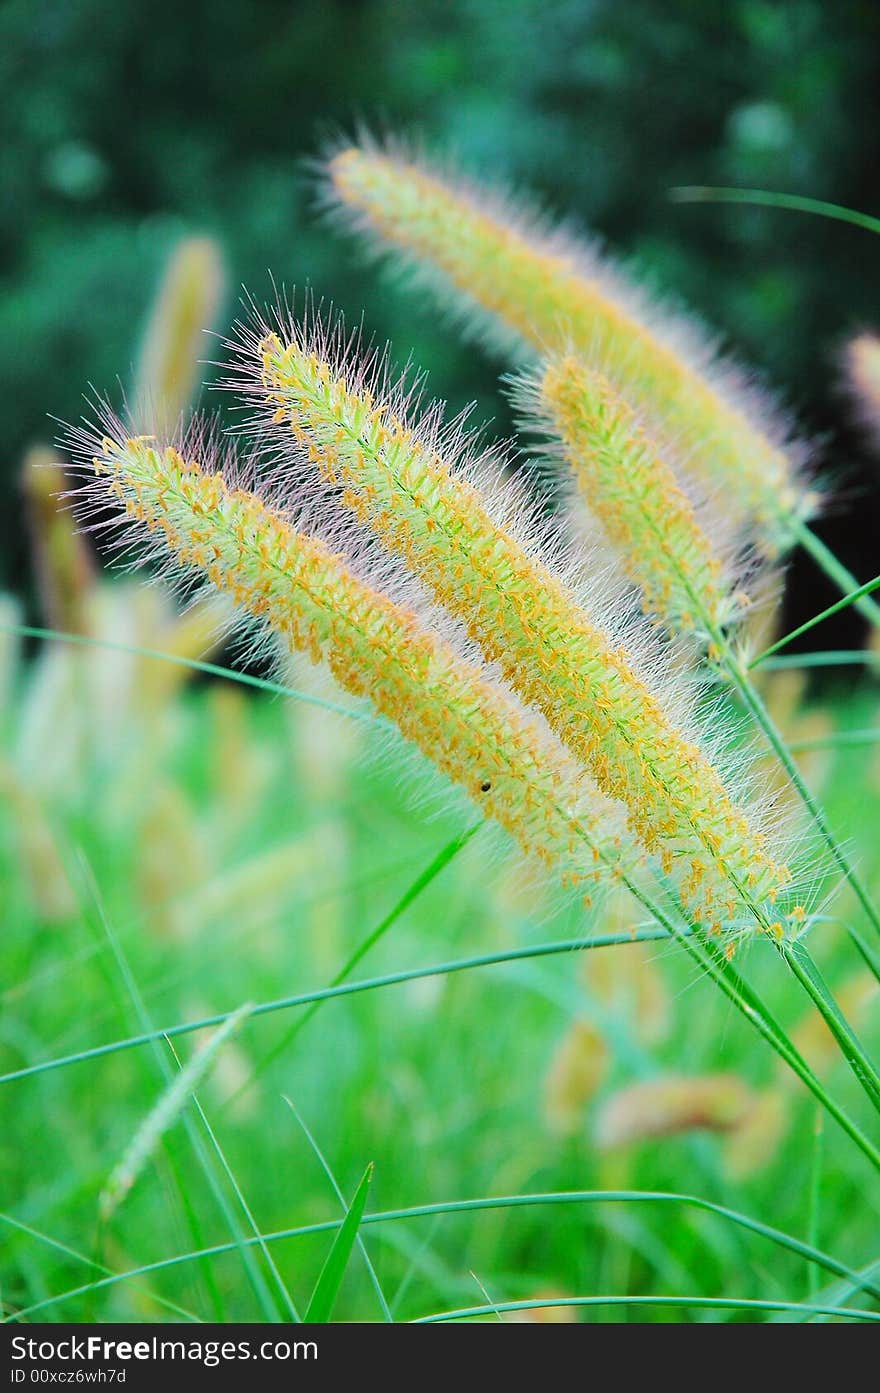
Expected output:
(871, 960)
(328, 1284)
(165, 1113)
(859, 1281)
(366, 984)
(195, 664)
(766, 198)
(710, 1303)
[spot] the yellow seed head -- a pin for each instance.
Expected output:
(550, 293)
(634, 495)
(513, 769)
(397, 482)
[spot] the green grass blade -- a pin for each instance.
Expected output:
(203, 1159)
(284, 1294)
(830, 657)
(858, 1281)
(815, 1199)
(67, 1251)
(327, 1287)
(836, 741)
(367, 984)
(834, 569)
(710, 1303)
(412, 892)
(868, 955)
(867, 589)
(767, 198)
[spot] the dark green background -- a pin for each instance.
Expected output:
(125, 124)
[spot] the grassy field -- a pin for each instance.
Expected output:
(173, 848)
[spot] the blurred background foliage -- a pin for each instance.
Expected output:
(127, 125)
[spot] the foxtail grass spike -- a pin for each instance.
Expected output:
(633, 493)
(408, 484)
(523, 282)
(166, 1112)
(187, 303)
(513, 769)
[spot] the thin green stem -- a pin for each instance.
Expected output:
(831, 657)
(838, 740)
(851, 599)
(412, 892)
(750, 1005)
(194, 665)
(834, 569)
(761, 715)
(766, 198)
(814, 1210)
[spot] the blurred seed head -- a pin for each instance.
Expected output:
(576, 1073)
(187, 303)
(671, 1105)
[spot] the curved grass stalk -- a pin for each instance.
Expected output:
(712, 1303)
(541, 950)
(858, 1281)
(766, 198)
(706, 956)
(836, 571)
(228, 674)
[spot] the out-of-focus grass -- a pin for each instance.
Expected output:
(230, 846)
